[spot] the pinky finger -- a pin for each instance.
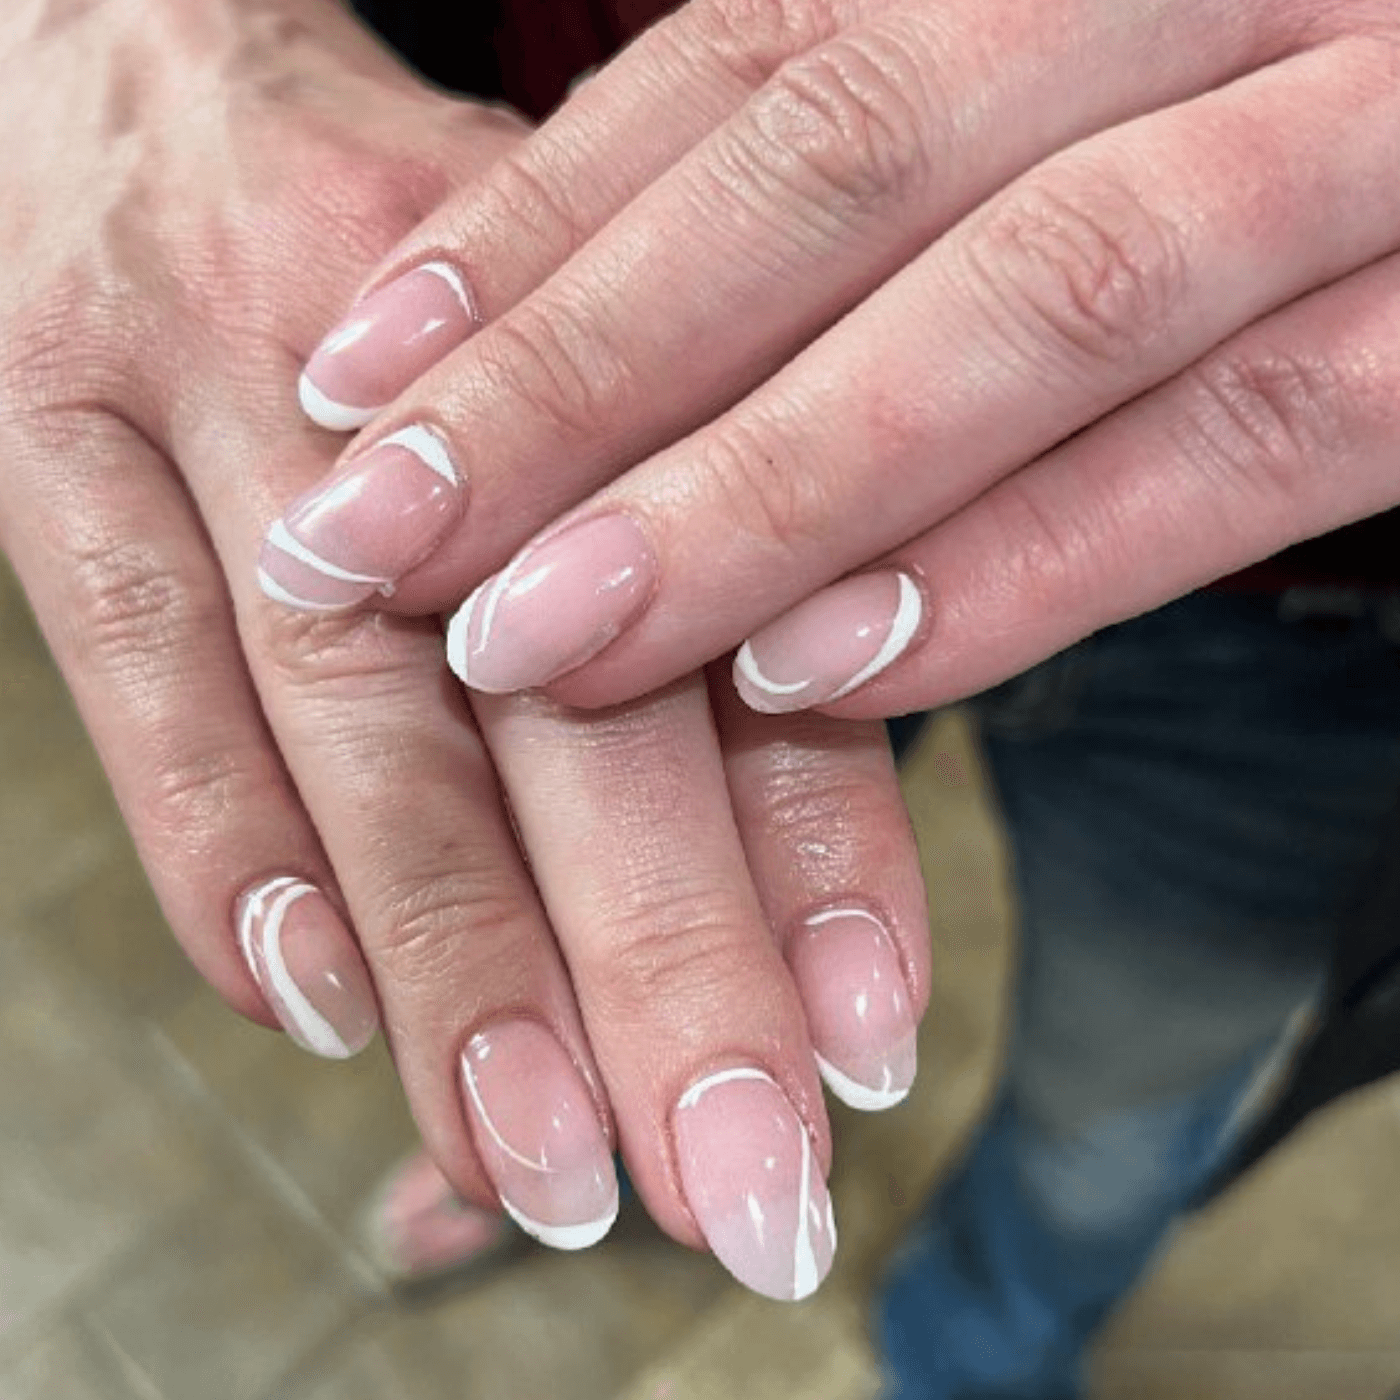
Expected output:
(1285, 432)
(132, 602)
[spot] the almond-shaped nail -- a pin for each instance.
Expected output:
(752, 1181)
(858, 1014)
(384, 344)
(560, 601)
(829, 645)
(307, 965)
(538, 1135)
(363, 528)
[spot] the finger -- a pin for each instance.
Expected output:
(839, 170)
(694, 1018)
(392, 771)
(135, 611)
(832, 852)
(1089, 281)
(486, 249)
(1287, 431)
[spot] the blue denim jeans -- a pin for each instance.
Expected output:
(1192, 799)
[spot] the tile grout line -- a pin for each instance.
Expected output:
(190, 1085)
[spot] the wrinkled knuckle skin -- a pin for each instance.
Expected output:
(433, 929)
(670, 954)
(128, 605)
(558, 368)
(781, 505)
(847, 123)
(191, 794)
(752, 38)
(1081, 266)
(360, 653)
(1271, 419)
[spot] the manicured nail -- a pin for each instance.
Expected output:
(386, 342)
(560, 601)
(538, 1135)
(751, 1179)
(857, 1002)
(829, 645)
(360, 531)
(308, 967)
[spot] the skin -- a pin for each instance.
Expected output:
(1063, 309)
(193, 187)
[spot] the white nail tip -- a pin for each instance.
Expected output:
(427, 447)
(905, 623)
(569, 1237)
(858, 1096)
(302, 1020)
(326, 413)
(453, 278)
(279, 537)
(278, 594)
(701, 1087)
(746, 664)
(458, 630)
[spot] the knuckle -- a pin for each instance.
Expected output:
(1081, 265)
(559, 365)
(1270, 417)
(670, 949)
(528, 193)
(780, 504)
(305, 653)
(751, 38)
(190, 792)
(428, 925)
(844, 126)
(129, 604)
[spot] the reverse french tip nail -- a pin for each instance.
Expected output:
(859, 1015)
(752, 1182)
(366, 526)
(306, 963)
(557, 604)
(384, 344)
(831, 644)
(538, 1136)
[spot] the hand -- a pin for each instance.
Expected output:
(192, 188)
(1053, 312)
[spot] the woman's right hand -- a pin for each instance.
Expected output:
(191, 189)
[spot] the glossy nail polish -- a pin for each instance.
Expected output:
(538, 1135)
(560, 601)
(752, 1182)
(388, 340)
(366, 526)
(858, 1014)
(307, 965)
(829, 645)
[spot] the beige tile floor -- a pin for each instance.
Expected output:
(177, 1188)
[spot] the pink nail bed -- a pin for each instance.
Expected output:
(857, 1001)
(307, 965)
(388, 340)
(752, 1181)
(559, 602)
(360, 531)
(829, 645)
(538, 1135)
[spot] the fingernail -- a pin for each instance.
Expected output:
(829, 645)
(307, 965)
(857, 1002)
(538, 1136)
(560, 601)
(365, 527)
(751, 1179)
(384, 344)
